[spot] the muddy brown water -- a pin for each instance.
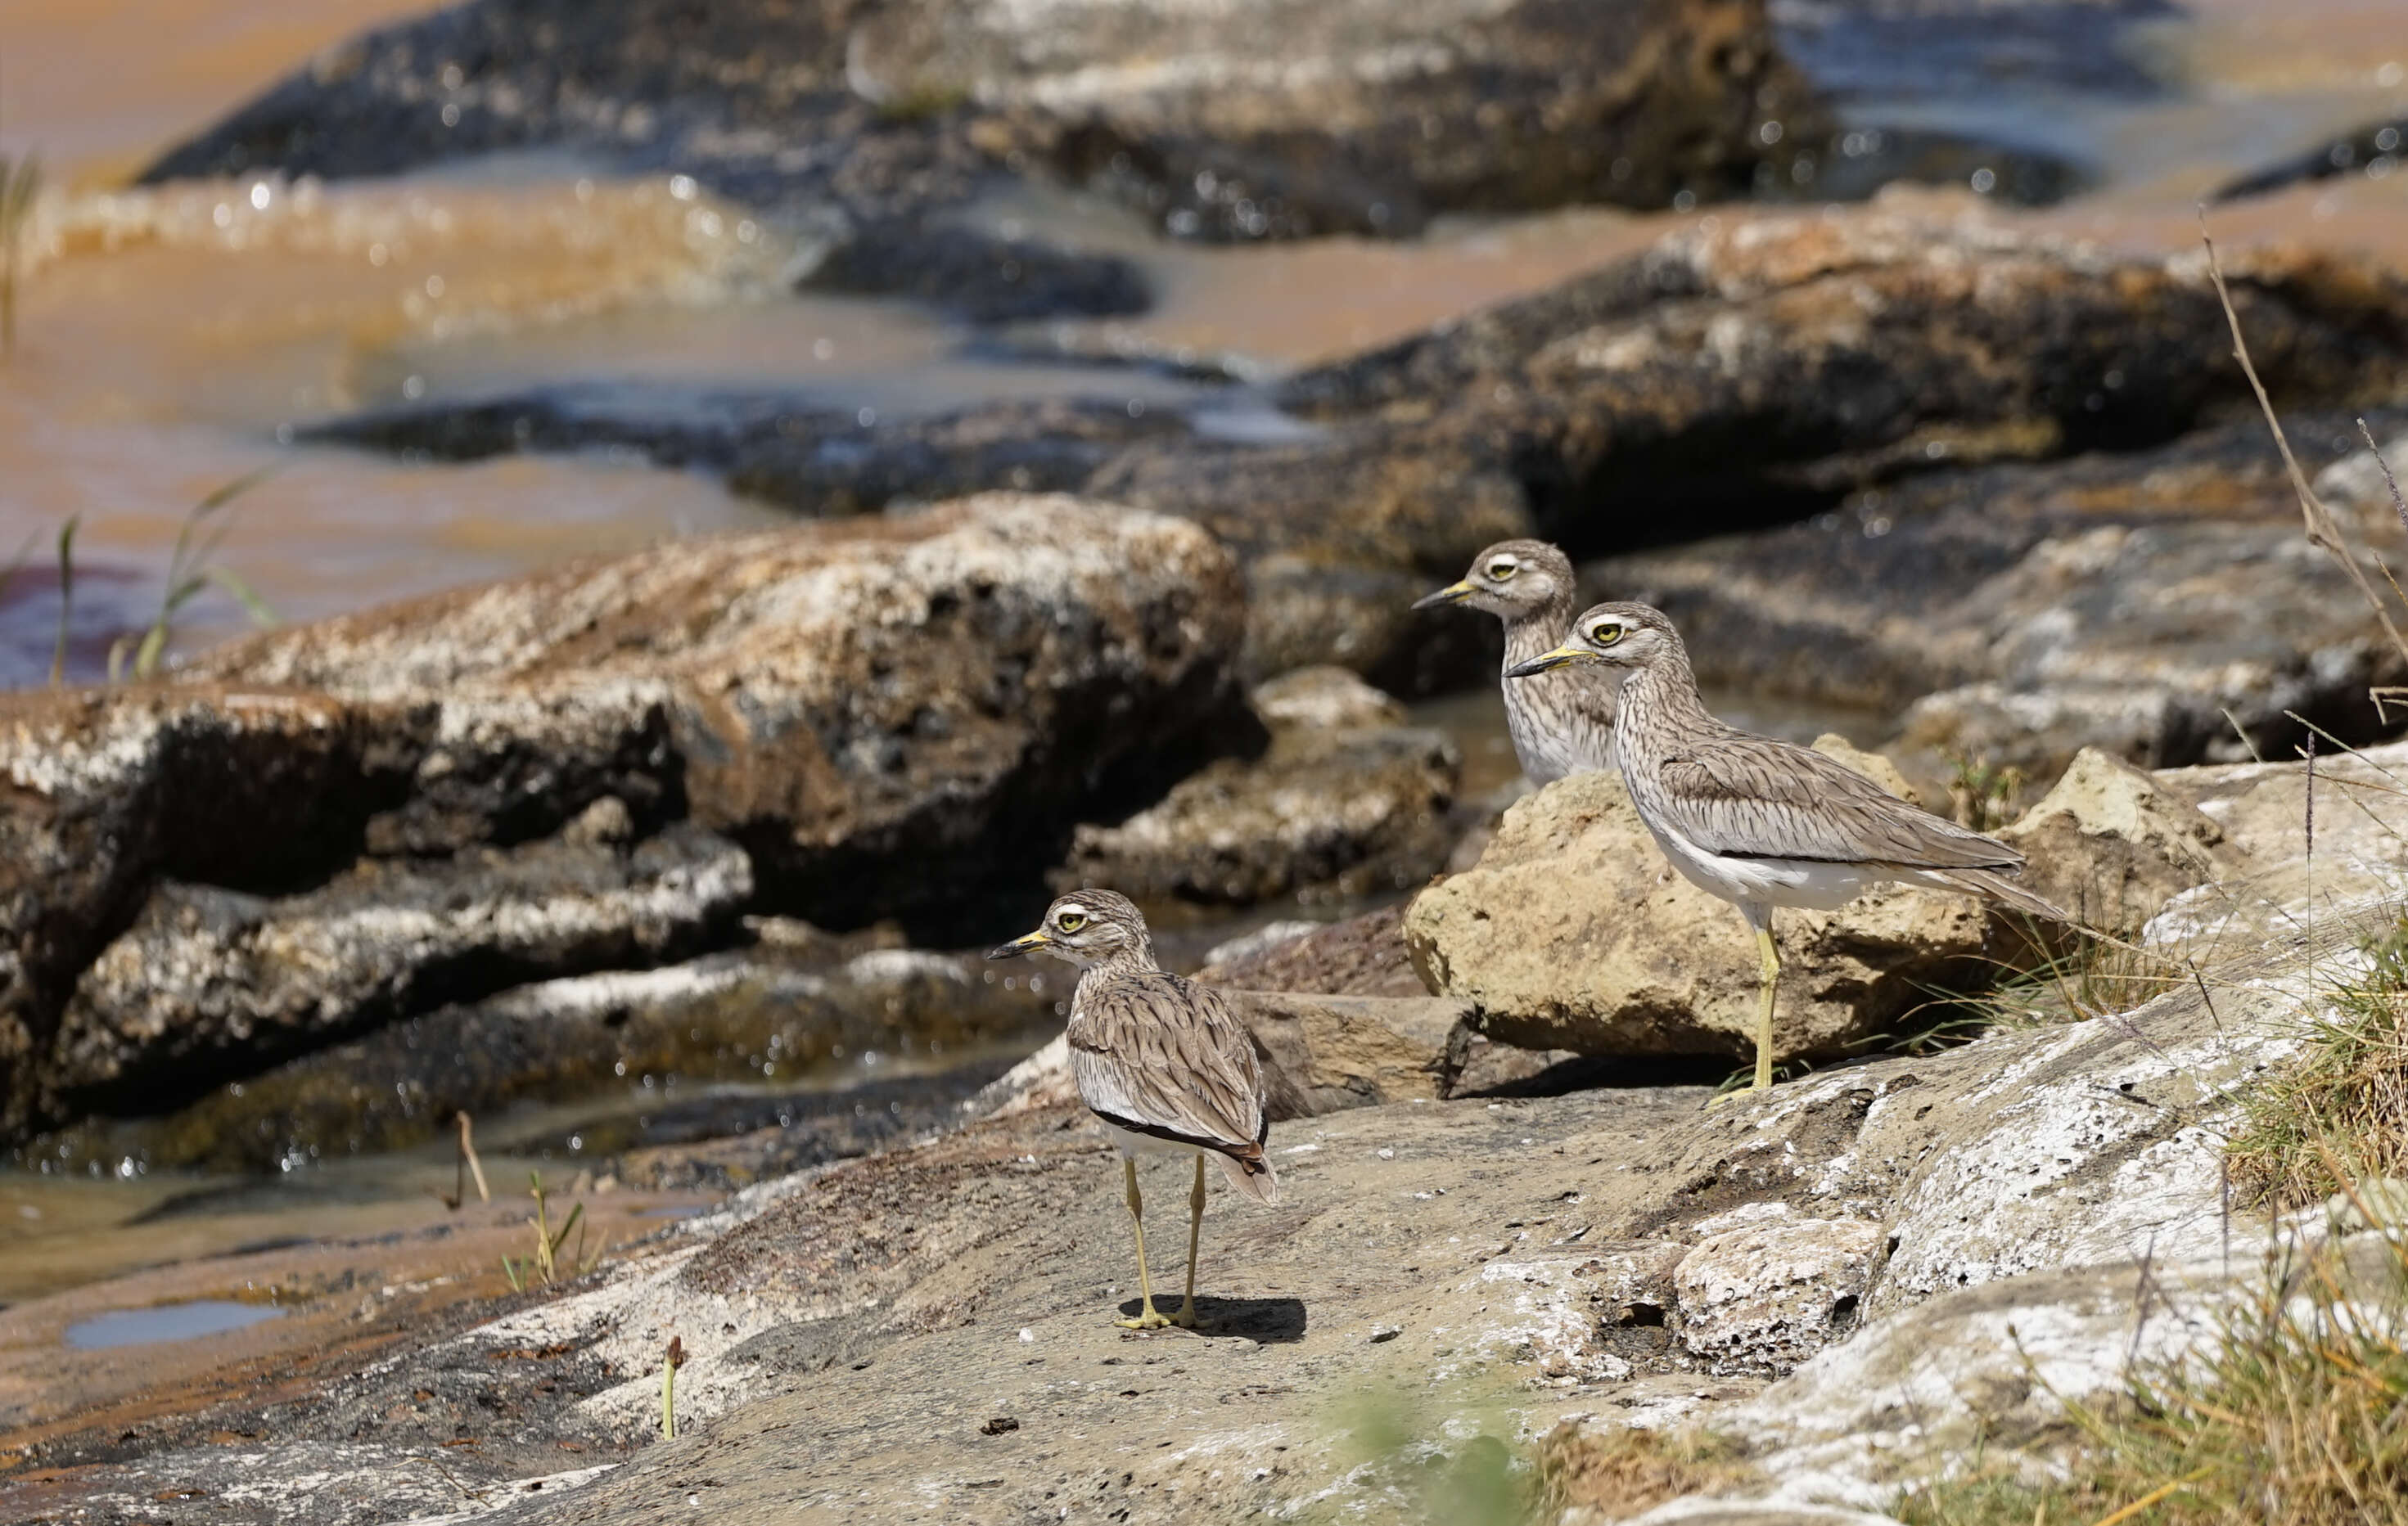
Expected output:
(166, 335)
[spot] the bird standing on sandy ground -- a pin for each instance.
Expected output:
(1161, 1059)
(1763, 823)
(1562, 723)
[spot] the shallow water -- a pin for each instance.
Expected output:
(165, 335)
(184, 1321)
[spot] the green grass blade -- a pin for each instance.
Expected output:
(576, 1212)
(261, 613)
(67, 597)
(146, 657)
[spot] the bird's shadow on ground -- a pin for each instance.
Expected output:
(1273, 1322)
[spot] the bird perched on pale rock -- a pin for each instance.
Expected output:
(1562, 723)
(1760, 822)
(1161, 1059)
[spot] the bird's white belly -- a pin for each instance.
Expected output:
(1807, 884)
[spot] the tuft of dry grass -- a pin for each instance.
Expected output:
(2297, 1415)
(1623, 1471)
(2341, 1115)
(2093, 977)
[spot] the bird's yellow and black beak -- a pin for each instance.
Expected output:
(1547, 661)
(1028, 944)
(1451, 593)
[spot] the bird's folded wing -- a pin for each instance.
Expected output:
(1759, 798)
(1162, 1056)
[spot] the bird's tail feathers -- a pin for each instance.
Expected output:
(1992, 885)
(1253, 1175)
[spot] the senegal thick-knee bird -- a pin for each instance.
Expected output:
(1162, 1060)
(1763, 823)
(1561, 722)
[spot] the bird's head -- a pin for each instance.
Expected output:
(1512, 579)
(1618, 635)
(1085, 927)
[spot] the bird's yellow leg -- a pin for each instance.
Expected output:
(1764, 1017)
(1185, 1318)
(1146, 1319)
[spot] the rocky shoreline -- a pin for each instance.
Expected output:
(671, 867)
(928, 1318)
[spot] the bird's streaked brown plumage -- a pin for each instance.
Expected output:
(1561, 722)
(1164, 1057)
(1760, 822)
(1162, 1060)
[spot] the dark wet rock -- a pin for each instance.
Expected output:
(723, 1045)
(1363, 956)
(2375, 151)
(1115, 349)
(1739, 376)
(2026, 611)
(209, 981)
(976, 276)
(1856, 161)
(1346, 801)
(424, 803)
(787, 448)
(1364, 117)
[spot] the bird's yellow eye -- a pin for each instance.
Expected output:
(1605, 632)
(1499, 571)
(1070, 921)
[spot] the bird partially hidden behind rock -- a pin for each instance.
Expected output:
(1562, 723)
(1760, 822)
(1162, 1060)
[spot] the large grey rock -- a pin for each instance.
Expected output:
(1574, 933)
(856, 705)
(210, 982)
(1347, 801)
(1367, 117)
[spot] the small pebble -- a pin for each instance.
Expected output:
(1028, 1334)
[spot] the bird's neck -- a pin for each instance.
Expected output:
(1129, 959)
(1663, 691)
(1541, 631)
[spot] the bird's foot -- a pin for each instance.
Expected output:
(1150, 1319)
(1185, 1318)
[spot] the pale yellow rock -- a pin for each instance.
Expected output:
(2111, 843)
(1872, 766)
(1573, 933)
